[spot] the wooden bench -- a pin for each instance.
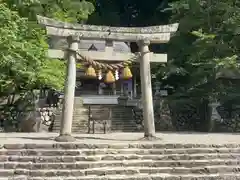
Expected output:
(100, 115)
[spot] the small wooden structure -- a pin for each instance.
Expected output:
(76, 32)
(100, 115)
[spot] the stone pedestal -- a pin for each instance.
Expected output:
(122, 100)
(214, 117)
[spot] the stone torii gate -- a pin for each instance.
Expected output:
(76, 32)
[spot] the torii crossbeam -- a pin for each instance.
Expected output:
(76, 32)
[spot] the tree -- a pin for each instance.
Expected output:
(129, 13)
(50, 74)
(64, 10)
(23, 43)
(21, 56)
(205, 45)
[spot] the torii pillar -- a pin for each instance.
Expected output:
(69, 93)
(146, 88)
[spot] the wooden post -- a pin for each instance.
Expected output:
(134, 85)
(69, 93)
(146, 88)
(114, 86)
(122, 89)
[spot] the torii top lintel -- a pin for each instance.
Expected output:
(154, 34)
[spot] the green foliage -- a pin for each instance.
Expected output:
(205, 45)
(128, 13)
(23, 45)
(21, 56)
(24, 42)
(65, 10)
(48, 77)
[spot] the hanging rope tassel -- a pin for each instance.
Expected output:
(127, 74)
(100, 74)
(109, 77)
(116, 75)
(91, 72)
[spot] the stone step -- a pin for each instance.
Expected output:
(168, 170)
(98, 128)
(122, 118)
(75, 123)
(78, 149)
(110, 164)
(120, 170)
(78, 128)
(78, 116)
(112, 161)
(144, 145)
(195, 152)
(79, 112)
(229, 176)
(73, 159)
(80, 120)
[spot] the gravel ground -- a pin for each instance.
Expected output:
(164, 138)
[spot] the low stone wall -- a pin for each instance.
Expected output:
(42, 119)
(194, 116)
(225, 119)
(163, 117)
(188, 116)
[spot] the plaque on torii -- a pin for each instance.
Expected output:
(143, 36)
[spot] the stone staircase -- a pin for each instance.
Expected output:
(115, 161)
(80, 118)
(122, 119)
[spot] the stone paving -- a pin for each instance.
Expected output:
(165, 138)
(120, 156)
